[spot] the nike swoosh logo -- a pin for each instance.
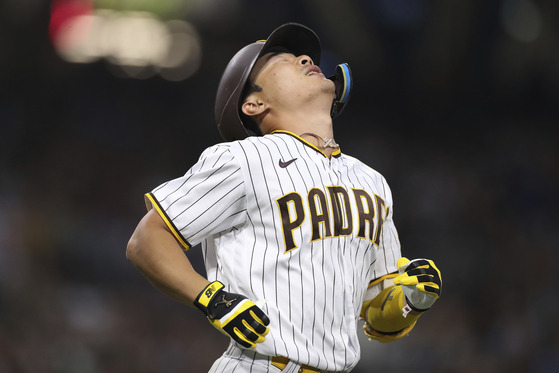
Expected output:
(283, 164)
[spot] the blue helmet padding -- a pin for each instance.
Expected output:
(343, 83)
(346, 85)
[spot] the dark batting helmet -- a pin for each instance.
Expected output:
(292, 37)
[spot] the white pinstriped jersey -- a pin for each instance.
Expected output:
(280, 221)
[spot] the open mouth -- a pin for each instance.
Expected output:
(314, 70)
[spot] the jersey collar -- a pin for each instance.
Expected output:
(335, 154)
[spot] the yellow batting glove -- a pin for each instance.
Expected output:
(233, 314)
(421, 281)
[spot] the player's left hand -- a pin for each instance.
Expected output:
(421, 281)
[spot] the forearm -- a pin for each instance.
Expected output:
(158, 256)
(387, 317)
(389, 312)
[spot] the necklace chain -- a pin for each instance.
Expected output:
(328, 142)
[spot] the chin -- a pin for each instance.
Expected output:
(331, 89)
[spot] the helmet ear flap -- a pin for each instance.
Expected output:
(343, 82)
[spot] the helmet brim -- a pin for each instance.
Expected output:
(295, 38)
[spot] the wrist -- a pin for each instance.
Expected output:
(205, 297)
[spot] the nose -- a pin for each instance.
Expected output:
(305, 60)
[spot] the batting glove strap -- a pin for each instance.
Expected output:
(233, 314)
(206, 296)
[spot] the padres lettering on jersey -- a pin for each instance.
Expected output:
(332, 214)
(280, 221)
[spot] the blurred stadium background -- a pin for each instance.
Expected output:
(455, 102)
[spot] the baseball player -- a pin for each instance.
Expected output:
(298, 238)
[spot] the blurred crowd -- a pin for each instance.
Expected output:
(459, 114)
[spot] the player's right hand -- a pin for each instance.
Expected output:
(421, 281)
(233, 314)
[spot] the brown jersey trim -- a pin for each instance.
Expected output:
(151, 201)
(385, 277)
(336, 153)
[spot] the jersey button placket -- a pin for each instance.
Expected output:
(332, 169)
(328, 164)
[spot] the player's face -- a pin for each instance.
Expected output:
(291, 80)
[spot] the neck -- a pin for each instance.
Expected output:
(320, 124)
(314, 127)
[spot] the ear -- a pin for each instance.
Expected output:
(253, 106)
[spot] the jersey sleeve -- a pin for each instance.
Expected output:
(208, 199)
(389, 248)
